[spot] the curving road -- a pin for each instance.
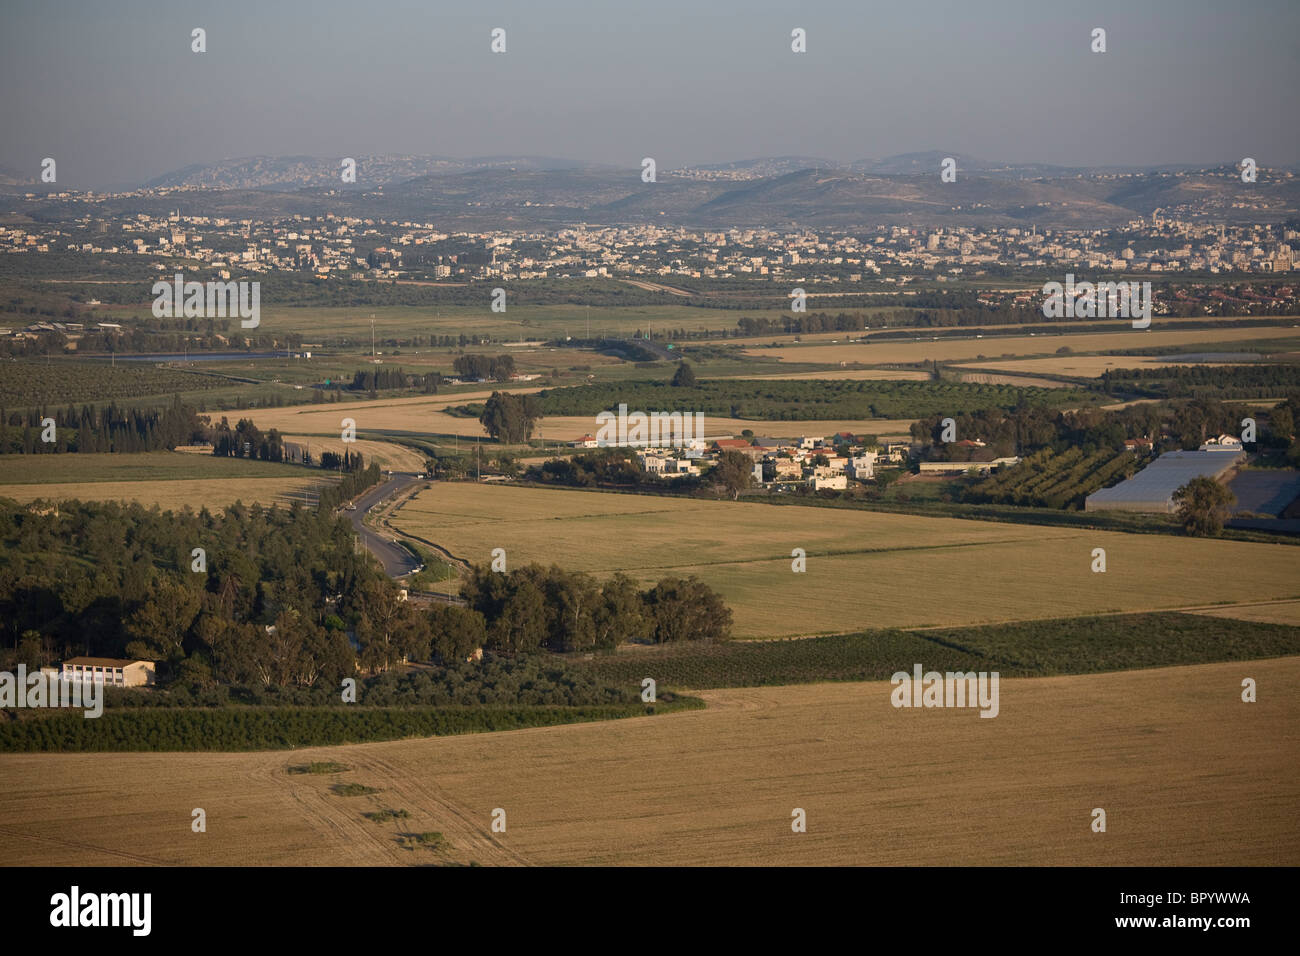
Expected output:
(395, 559)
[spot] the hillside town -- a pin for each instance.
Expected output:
(347, 247)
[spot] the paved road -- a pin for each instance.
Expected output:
(395, 559)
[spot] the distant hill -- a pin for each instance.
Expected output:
(296, 172)
(536, 192)
(12, 177)
(927, 163)
(757, 168)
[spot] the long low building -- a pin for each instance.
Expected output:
(111, 671)
(965, 467)
(1151, 490)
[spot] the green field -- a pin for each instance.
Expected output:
(171, 480)
(769, 400)
(147, 466)
(280, 728)
(1046, 648)
(518, 321)
(26, 383)
(1049, 480)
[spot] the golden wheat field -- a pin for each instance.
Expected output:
(864, 569)
(1082, 366)
(424, 416)
(850, 375)
(1271, 612)
(174, 495)
(385, 454)
(993, 378)
(1187, 773)
(1026, 345)
(1281, 325)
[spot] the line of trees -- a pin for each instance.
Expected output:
(370, 380)
(495, 368)
(108, 428)
(1026, 428)
(246, 440)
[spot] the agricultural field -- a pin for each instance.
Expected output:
(1081, 366)
(884, 351)
(387, 455)
(1052, 647)
(1271, 612)
(994, 378)
(864, 569)
(424, 416)
(34, 383)
(144, 466)
(1047, 479)
(519, 321)
(835, 374)
(170, 480)
(775, 401)
(716, 786)
(1158, 322)
(416, 415)
(214, 493)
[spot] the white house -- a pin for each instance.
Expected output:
(1222, 443)
(863, 467)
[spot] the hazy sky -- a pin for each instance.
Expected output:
(112, 91)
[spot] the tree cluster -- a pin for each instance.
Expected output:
(537, 607)
(475, 367)
(511, 418)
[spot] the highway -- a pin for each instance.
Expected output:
(395, 559)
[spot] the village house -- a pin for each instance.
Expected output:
(897, 451)
(1222, 443)
(863, 467)
(664, 466)
(785, 469)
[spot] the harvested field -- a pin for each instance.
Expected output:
(864, 569)
(1022, 345)
(214, 493)
(1271, 612)
(386, 454)
(143, 466)
(424, 416)
(993, 378)
(1279, 323)
(1080, 366)
(852, 375)
(1188, 775)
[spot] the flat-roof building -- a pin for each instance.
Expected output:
(1151, 490)
(111, 671)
